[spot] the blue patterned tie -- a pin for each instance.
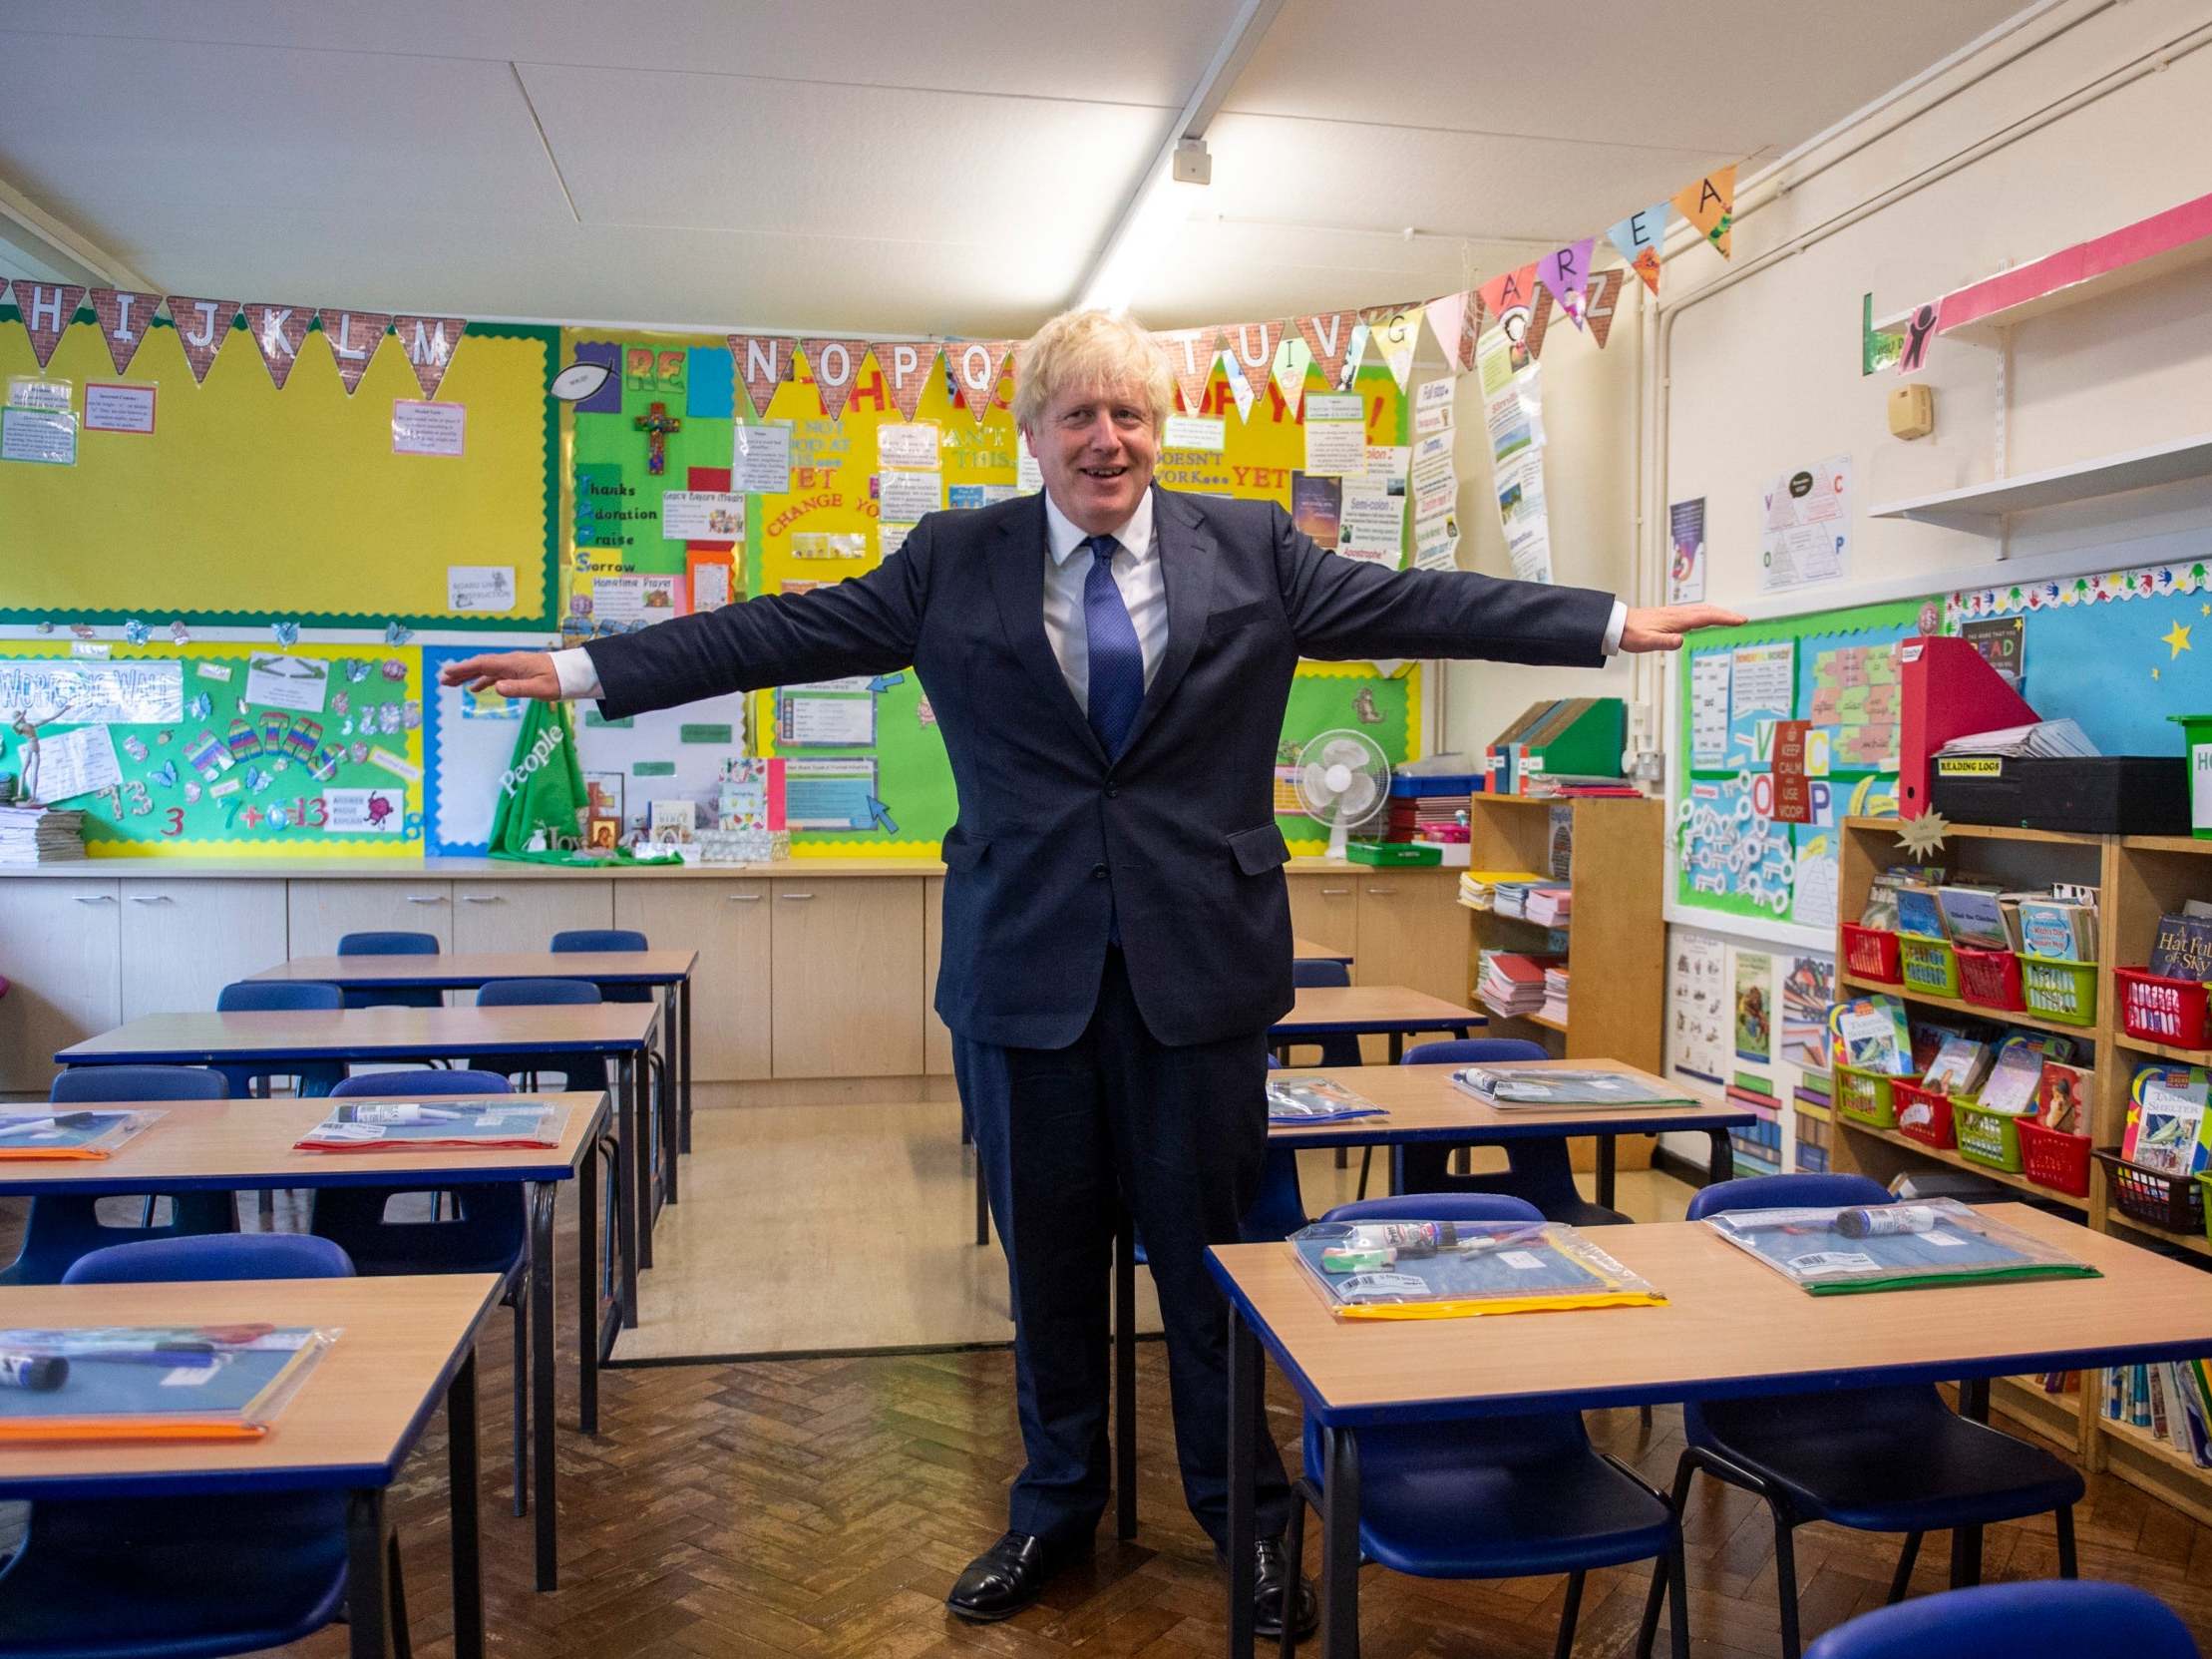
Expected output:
(1117, 661)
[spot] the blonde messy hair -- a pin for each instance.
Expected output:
(1091, 350)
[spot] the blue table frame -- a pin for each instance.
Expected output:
(2146, 1308)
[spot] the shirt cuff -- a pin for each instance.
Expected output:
(580, 679)
(1613, 627)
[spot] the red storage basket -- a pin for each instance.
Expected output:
(1923, 1115)
(1870, 953)
(2177, 1012)
(2054, 1160)
(1989, 978)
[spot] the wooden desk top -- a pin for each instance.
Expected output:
(1732, 1326)
(368, 1033)
(352, 1422)
(212, 1145)
(1305, 950)
(1373, 1008)
(1423, 1104)
(475, 967)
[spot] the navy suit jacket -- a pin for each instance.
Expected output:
(1177, 836)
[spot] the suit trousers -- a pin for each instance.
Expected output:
(1067, 1137)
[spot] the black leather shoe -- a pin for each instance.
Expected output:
(1001, 1581)
(1276, 1576)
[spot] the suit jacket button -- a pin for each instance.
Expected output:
(1098, 871)
(1112, 790)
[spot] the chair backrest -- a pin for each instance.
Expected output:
(399, 1085)
(536, 993)
(1309, 975)
(1779, 1192)
(1438, 1206)
(1475, 1051)
(599, 939)
(2050, 1620)
(211, 1256)
(388, 945)
(81, 1083)
(258, 996)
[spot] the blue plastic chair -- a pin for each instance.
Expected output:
(391, 945)
(488, 1233)
(309, 1077)
(184, 1578)
(1876, 1459)
(1307, 975)
(62, 1227)
(1502, 1497)
(1535, 1170)
(2045, 1620)
(582, 1070)
(608, 939)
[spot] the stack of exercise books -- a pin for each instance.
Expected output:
(1558, 1086)
(40, 835)
(1478, 889)
(1550, 907)
(1511, 983)
(2040, 740)
(2170, 1402)
(1555, 995)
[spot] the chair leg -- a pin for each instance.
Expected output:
(1902, 1579)
(522, 1401)
(1648, 1630)
(1965, 1557)
(1293, 1548)
(1564, 1648)
(402, 1645)
(2068, 1565)
(1366, 1162)
(1785, 1583)
(1677, 1583)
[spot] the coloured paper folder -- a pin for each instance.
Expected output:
(1491, 1267)
(158, 1383)
(1947, 690)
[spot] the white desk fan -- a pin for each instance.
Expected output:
(1344, 780)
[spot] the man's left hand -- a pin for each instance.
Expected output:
(1661, 626)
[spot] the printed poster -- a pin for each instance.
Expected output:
(1808, 987)
(1754, 1006)
(1805, 527)
(1686, 571)
(1696, 998)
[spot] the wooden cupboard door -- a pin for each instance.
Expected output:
(1412, 932)
(848, 954)
(184, 941)
(727, 923)
(1325, 910)
(320, 913)
(525, 915)
(936, 1035)
(61, 947)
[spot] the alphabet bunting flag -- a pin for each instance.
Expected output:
(278, 330)
(1709, 204)
(1447, 315)
(429, 344)
(837, 370)
(47, 310)
(1253, 344)
(1508, 299)
(977, 368)
(1637, 239)
(1328, 335)
(1397, 331)
(353, 337)
(201, 327)
(126, 317)
(1191, 354)
(763, 363)
(1564, 273)
(907, 365)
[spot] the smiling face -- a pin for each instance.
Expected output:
(1096, 448)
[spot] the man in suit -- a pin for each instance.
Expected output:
(1109, 664)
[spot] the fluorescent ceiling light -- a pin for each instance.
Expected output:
(1144, 240)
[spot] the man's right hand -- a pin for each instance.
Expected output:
(512, 673)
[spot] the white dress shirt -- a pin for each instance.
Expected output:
(1137, 573)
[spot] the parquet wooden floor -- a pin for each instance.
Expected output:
(819, 1509)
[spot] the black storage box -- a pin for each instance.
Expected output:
(2128, 794)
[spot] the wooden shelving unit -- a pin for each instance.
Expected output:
(1617, 870)
(2139, 879)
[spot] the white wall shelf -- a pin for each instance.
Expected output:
(1983, 508)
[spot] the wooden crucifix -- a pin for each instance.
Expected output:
(656, 423)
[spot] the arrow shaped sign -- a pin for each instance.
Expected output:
(883, 682)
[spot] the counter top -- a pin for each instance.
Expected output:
(497, 869)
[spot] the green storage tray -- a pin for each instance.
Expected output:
(2059, 989)
(1927, 966)
(1866, 1098)
(1988, 1138)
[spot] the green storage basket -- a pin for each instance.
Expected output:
(1928, 966)
(2058, 990)
(1988, 1138)
(1865, 1097)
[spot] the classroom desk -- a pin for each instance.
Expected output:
(404, 1342)
(618, 1031)
(1371, 1011)
(1730, 1329)
(1305, 950)
(1422, 1103)
(670, 972)
(227, 1145)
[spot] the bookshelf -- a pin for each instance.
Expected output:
(2139, 878)
(1616, 871)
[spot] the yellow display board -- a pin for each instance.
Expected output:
(250, 503)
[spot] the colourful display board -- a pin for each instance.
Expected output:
(249, 502)
(244, 751)
(1738, 691)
